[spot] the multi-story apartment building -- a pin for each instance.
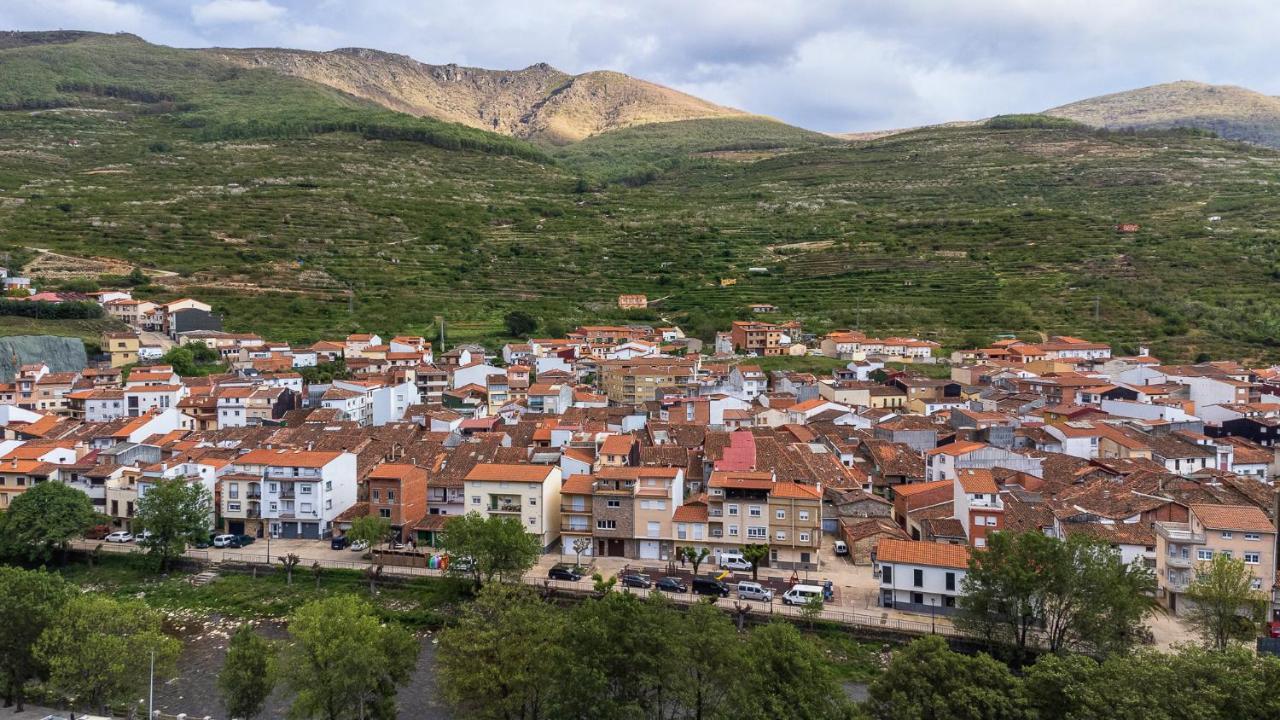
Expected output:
(288, 493)
(762, 338)
(635, 381)
(398, 494)
(527, 493)
(1239, 531)
(576, 518)
(746, 508)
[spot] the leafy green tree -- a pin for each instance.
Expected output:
(927, 681)
(371, 529)
(711, 661)
(503, 657)
(1076, 592)
(620, 649)
(289, 561)
(30, 601)
(248, 675)
(602, 585)
(811, 610)
(788, 676)
(694, 556)
(177, 512)
(43, 520)
(1224, 605)
(498, 547)
(342, 662)
(98, 650)
(519, 323)
(755, 554)
(580, 545)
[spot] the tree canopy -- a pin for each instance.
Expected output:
(342, 662)
(30, 601)
(249, 674)
(98, 650)
(1027, 588)
(43, 519)
(497, 547)
(177, 512)
(1224, 605)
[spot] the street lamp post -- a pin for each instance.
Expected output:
(933, 626)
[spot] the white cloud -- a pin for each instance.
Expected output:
(222, 12)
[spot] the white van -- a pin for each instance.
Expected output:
(841, 547)
(748, 590)
(801, 594)
(734, 561)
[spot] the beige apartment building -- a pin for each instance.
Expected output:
(1239, 531)
(635, 381)
(528, 493)
(753, 508)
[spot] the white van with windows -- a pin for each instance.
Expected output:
(748, 590)
(733, 560)
(801, 594)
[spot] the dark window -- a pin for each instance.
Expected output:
(948, 601)
(917, 598)
(951, 581)
(886, 574)
(918, 578)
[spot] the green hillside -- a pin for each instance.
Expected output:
(303, 229)
(637, 155)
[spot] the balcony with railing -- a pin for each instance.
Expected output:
(1179, 561)
(575, 527)
(504, 504)
(288, 492)
(582, 509)
(1180, 533)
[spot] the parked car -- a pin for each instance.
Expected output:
(144, 536)
(97, 532)
(748, 590)
(564, 572)
(802, 594)
(636, 580)
(734, 563)
(207, 541)
(841, 547)
(710, 586)
(359, 546)
(243, 540)
(226, 541)
(462, 564)
(119, 536)
(338, 542)
(672, 585)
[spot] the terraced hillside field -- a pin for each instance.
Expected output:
(952, 233)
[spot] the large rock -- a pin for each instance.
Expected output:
(61, 354)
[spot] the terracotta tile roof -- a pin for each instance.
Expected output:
(493, 472)
(287, 458)
(957, 448)
(617, 445)
(1245, 518)
(923, 553)
(942, 528)
(975, 481)
(741, 480)
(918, 488)
(856, 529)
(794, 491)
(398, 471)
(577, 485)
(694, 511)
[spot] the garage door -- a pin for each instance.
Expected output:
(648, 549)
(311, 531)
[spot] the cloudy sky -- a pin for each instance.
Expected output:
(822, 64)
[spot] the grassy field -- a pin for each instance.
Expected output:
(88, 330)
(422, 602)
(956, 234)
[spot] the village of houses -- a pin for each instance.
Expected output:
(624, 444)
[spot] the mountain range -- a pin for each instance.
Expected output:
(306, 194)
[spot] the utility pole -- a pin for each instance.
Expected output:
(1097, 307)
(151, 689)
